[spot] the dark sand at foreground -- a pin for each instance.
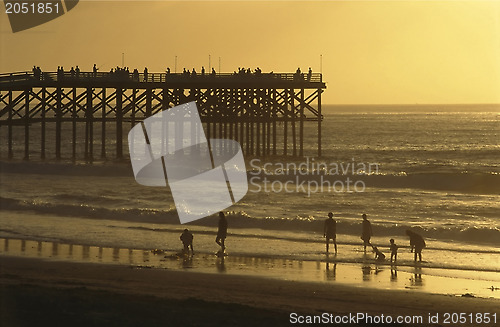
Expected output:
(35, 292)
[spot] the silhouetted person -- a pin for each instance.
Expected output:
(379, 256)
(309, 74)
(330, 231)
(297, 74)
(187, 240)
(193, 73)
(145, 74)
(94, 70)
(367, 231)
(202, 71)
(417, 243)
(72, 72)
(77, 72)
(213, 72)
(222, 231)
(394, 250)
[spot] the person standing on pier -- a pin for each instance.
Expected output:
(367, 231)
(221, 232)
(94, 70)
(330, 232)
(145, 74)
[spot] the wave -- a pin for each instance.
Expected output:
(464, 182)
(241, 220)
(475, 183)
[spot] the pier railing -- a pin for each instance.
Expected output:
(156, 77)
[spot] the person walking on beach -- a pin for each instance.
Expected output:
(221, 232)
(330, 232)
(394, 250)
(417, 243)
(187, 241)
(367, 231)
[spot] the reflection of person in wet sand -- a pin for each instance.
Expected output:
(379, 256)
(221, 266)
(221, 232)
(331, 273)
(394, 250)
(187, 241)
(394, 274)
(367, 232)
(330, 232)
(417, 277)
(417, 243)
(367, 270)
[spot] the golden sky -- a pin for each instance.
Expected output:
(373, 51)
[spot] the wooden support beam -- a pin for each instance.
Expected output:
(241, 116)
(319, 122)
(10, 135)
(269, 118)
(119, 123)
(275, 115)
(43, 111)
(285, 124)
(103, 123)
(301, 127)
(58, 122)
(27, 124)
(89, 124)
(256, 111)
(294, 119)
(74, 115)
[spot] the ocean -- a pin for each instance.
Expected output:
(432, 169)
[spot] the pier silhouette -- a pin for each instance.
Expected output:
(264, 112)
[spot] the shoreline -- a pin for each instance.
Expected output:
(281, 297)
(364, 274)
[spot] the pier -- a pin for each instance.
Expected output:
(264, 112)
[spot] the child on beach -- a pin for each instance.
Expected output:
(187, 241)
(379, 256)
(394, 250)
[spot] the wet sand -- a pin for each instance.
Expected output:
(364, 274)
(110, 292)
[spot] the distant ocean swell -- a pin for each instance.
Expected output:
(476, 183)
(489, 235)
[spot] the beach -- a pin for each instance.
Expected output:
(97, 292)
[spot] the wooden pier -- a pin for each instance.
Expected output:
(264, 112)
